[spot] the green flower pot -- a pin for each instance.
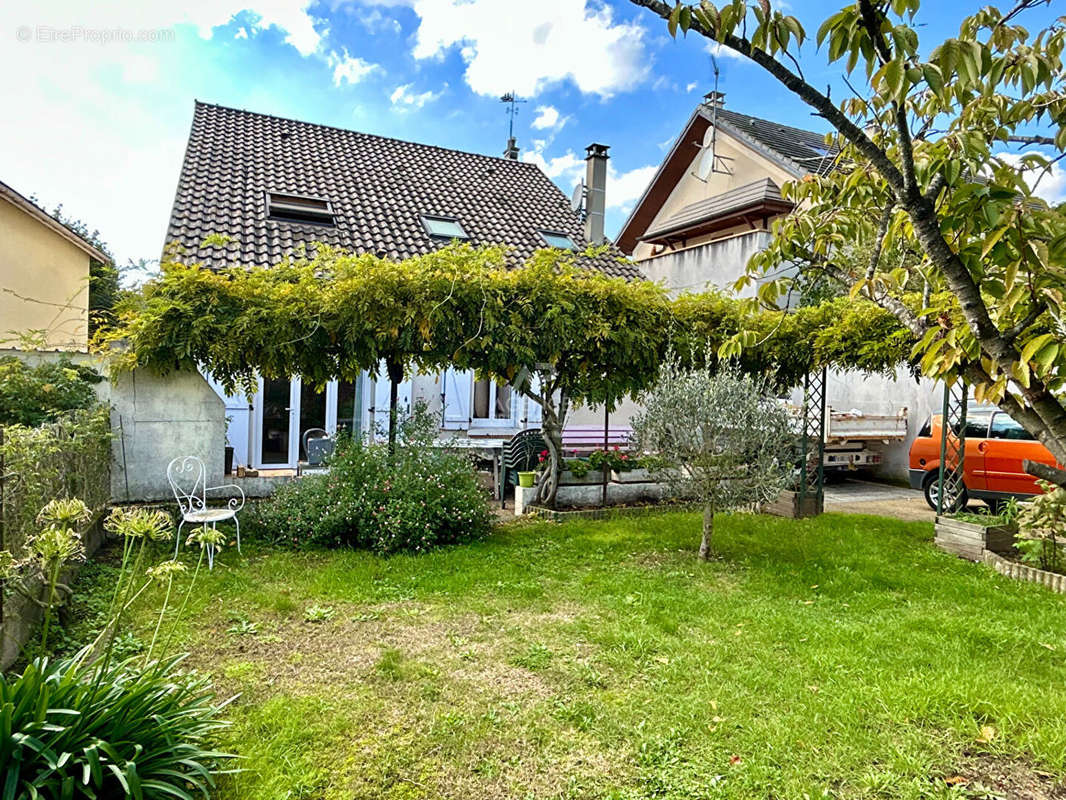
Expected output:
(527, 479)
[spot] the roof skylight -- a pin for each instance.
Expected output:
(294, 208)
(444, 227)
(560, 240)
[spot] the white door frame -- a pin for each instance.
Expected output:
(295, 389)
(294, 424)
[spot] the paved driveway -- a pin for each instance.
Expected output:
(865, 497)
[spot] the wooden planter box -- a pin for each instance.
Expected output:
(632, 476)
(788, 504)
(568, 478)
(969, 540)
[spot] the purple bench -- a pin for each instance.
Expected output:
(586, 438)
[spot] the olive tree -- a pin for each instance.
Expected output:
(718, 437)
(922, 165)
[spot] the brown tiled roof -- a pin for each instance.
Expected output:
(378, 188)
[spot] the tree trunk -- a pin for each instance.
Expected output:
(395, 371)
(708, 531)
(548, 489)
(553, 418)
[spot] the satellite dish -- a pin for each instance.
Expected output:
(577, 199)
(705, 164)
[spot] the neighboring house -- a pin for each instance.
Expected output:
(710, 207)
(44, 277)
(44, 316)
(272, 185)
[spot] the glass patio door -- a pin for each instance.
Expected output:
(275, 415)
(286, 409)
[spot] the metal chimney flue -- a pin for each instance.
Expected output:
(596, 192)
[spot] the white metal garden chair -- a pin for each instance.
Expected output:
(188, 480)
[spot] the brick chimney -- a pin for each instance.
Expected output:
(595, 192)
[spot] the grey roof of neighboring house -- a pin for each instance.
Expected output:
(805, 149)
(379, 189)
(750, 194)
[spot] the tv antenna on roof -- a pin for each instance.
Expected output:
(512, 100)
(708, 161)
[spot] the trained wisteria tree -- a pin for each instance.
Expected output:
(937, 150)
(719, 438)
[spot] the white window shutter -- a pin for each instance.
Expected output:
(457, 388)
(379, 413)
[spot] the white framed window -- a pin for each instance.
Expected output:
(471, 403)
(491, 403)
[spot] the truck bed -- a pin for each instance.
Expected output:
(846, 426)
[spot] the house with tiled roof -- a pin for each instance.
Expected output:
(255, 189)
(710, 207)
(711, 203)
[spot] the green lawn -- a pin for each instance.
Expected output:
(840, 657)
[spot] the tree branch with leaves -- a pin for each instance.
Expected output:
(922, 166)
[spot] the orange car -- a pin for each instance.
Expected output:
(996, 446)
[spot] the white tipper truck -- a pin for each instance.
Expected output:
(849, 434)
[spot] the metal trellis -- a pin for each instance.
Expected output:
(950, 484)
(812, 443)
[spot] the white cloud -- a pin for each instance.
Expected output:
(375, 21)
(349, 69)
(292, 17)
(623, 188)
(549, 119)
(546, 43)
(405, 99)
(692, 87)
(101, 127)
(719, 50)
(1050, 186)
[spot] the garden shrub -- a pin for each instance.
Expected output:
(122, 729)
(416, 499)
(33, 395)
(70, 457)
(95, 725)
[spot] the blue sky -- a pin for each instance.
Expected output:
(100, 124)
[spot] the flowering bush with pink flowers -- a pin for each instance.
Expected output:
(416, 499)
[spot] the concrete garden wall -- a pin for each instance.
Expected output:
(154, 419)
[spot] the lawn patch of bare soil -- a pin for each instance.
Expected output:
(988, 776)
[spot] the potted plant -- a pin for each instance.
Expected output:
(579, 472)
(624, 467)
(970, 534)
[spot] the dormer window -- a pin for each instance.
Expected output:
(559, 240)
(295, 208)
(444, 228)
